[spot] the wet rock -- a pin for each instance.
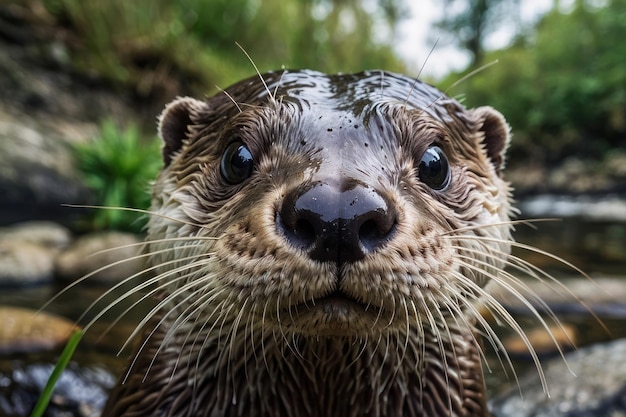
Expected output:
(28, 252)
(589, 207)
(591, 382)
(36, 171)
(544, 341)
(25, 330)
(25, 263)
(42, 233)
(109, 256)
(80, 391)
(604, 296)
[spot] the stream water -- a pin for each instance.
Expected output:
(597, 247)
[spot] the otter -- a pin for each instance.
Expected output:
(321, 245)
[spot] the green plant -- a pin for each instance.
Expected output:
(44, 399)
(118, 166)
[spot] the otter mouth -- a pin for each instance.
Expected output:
(333, 303)
(336, 305)
(335, 315)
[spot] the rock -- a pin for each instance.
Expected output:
(25, 263)
(36, 171)
(25, 330)
(28, 252)
(604, 296)
(544, 341)
(610, 208)
(79, 392)
(97, 253)
(43, 233)
(590, 382)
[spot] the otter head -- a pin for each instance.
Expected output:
(333, 205)
(325, 238)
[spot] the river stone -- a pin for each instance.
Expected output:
(25, 330)
(25, 263)
(544, 340)
(604, 296)
(98, 254)
(79, 392)
(43, 233)
(28, 252)
(37, 174)
(590, 382)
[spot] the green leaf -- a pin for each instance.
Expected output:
(61, 364)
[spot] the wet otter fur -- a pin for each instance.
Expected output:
(321, 244)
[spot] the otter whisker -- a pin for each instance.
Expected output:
(164, 340)
(482, 227)
(515, 326)
(168, 300)
(407, 329)
(135, 210)
(530, 249)
(178, 324)
(225, 322)
(91, 274)
(146, 243)
(517, 281)
(250, 329)
(469, 75)
(419, 73)
(209, 336)
(475, 294)
(232, 339)
(120, 284)
(263, 327)
(537, 273)
(381, 307)
(145, 284)
(294, 349)
(499, 312)
(363, 343)
(279, 83)
(257, 71)
(443, 323)
(230, 97)
(420, 352)
(201, 298)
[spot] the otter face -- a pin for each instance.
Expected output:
(346, 205)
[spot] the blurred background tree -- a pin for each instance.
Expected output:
(468, 23)
(146, 43)
(560, 82)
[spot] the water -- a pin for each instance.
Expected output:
(597, 247)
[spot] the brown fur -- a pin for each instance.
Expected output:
(244, 327)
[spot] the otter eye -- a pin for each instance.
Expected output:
(237, 163)
(433, 169)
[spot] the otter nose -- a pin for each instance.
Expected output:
(334, 225)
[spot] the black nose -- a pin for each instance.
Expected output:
(334, 225)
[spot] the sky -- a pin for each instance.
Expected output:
(415, 45)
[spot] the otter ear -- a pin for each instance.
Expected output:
(174, 124)
(496, 135)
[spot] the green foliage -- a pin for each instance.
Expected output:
(562, 86)
(143, 42)
(118, 166)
